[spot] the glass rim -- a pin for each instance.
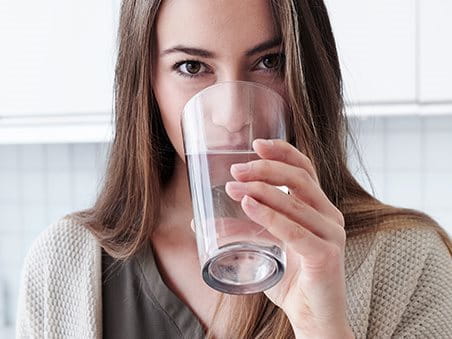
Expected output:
(238, 82)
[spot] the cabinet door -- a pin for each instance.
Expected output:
(376, 45)
(57, 57)
(435, 50)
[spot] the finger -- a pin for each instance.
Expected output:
(296, 210)
(300, 183)
(300, 239)
(281, 150)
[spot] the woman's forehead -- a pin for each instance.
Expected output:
(221, 26)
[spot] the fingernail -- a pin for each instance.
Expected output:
(241, 168)
(250, 202)
(265, 142)
(235, 186)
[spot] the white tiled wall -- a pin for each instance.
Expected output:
(38, 185)
(409, 161)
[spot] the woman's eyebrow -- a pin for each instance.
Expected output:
(263, 46)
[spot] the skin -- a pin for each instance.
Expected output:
(312, 291)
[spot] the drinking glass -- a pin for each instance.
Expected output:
(219, 124)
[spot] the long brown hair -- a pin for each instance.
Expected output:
(141, 160)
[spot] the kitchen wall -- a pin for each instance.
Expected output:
(408, 159)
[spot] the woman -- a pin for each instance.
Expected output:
(356, 267)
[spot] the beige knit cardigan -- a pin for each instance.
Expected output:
(399, 284)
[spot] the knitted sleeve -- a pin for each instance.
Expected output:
(429, 312)
(30, 309)
(411, 286)
(60, 292)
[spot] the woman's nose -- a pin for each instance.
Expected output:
(234, 107)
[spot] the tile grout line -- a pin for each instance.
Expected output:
(423, 168)
(385, 157)
(46, 182)
(21, 189)
(71, 170)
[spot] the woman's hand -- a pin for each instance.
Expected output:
(312, 290)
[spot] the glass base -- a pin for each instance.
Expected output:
(244, 268)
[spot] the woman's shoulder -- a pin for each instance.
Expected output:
(64, 239)
(412, 244)
(396, 259)
(417, 248)
(65, 250)
(400, 245)
(410, 257)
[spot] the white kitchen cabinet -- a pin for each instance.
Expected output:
(57, 68)
(57, 56)
(435, 51)
(376, 43)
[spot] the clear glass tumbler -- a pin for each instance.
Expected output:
(219, 124)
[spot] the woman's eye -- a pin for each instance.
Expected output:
(190, 68)
(272, 61)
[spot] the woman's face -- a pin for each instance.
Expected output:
(202, 42)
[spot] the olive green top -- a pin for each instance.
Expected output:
(136, 303)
